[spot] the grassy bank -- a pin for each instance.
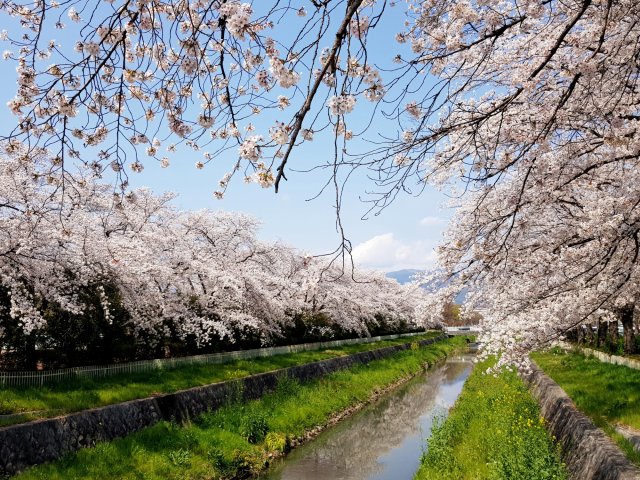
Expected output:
(83, 392)
(240, 438)
(494, 431)
(609, 394)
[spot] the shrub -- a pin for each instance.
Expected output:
(277, 442)
(216, 457)
(179, 458)
(254, 427)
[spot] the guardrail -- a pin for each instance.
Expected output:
(42, 377)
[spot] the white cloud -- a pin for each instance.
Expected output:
(385, 252)
(432, 221)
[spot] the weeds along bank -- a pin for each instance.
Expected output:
(494, 431)
(241, 438)
(608, 394)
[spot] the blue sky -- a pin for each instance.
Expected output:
(401, 236)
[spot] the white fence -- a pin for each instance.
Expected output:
(613, 359)
(465, 330)
(42, 377)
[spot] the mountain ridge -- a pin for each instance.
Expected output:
(406, 276)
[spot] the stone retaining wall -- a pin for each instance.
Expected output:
(587, 451)
(46, 440)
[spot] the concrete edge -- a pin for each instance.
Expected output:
(587, 450)
(612, 359)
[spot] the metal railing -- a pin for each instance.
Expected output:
(43, 377)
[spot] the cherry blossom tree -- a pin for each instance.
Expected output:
(202, 275)
(568, 256)
(158, 74)
(484, 85)
(531, 107)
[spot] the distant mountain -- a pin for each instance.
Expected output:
(406, 276)
(403, 276)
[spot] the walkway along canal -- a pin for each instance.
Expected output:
(385, 440)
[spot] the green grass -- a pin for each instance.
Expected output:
(239, 438)
(83, 392)
(494, 431)
(609, 394)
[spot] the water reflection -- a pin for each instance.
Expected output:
(384, 441)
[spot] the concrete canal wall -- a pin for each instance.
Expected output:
(587, 451)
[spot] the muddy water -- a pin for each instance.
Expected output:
(385, 440)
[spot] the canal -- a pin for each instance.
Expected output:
(385, 440)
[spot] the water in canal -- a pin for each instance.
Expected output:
(385, 440)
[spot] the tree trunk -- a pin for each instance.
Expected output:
(591, 334)
(602, 334)
(612, 337)
(626, 317)
(30, 353)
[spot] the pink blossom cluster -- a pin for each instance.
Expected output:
(341, 104)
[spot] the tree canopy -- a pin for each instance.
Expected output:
(530, 106)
